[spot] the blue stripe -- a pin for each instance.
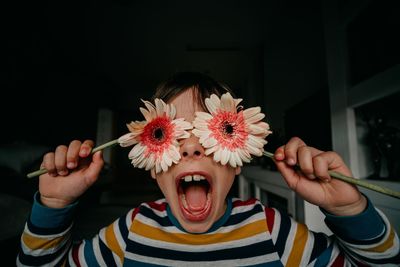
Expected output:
(46, 231)
(320, 244)
(88, 253)
(106, 253)
(283, 233)
(323, 259)
(129, 262)
(394, 260)
(268, 264)
(123, 228)
(254, 250)
(41, 260)
(240, 217)
(149, 213)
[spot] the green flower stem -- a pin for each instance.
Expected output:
(94, 150)
(354, 181)
(333, 174)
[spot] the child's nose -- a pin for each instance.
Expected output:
(191, 148)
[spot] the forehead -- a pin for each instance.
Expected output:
(186, 105)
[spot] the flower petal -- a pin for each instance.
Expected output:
(227, 103)
(229, 132)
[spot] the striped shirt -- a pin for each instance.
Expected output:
(248, 234)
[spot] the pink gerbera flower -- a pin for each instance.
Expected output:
(232, 134)
(156, 138)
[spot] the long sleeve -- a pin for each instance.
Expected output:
(46, 240)
(367, 239)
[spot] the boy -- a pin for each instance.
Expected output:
(197, 224)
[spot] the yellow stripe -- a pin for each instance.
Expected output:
(33, 242)
(112, 242)
(298, 246)
(385, 245)
(248, 230)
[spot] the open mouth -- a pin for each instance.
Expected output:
(194, 192)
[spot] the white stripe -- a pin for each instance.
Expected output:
(277, 226)
(199, 248)
(160, 201)
(157, 212)
(49, 237)
(235, 262)
(102, 237)
(128, 219)
(53, 263)
(361, 249)
(254, 218)
(97, 251)
(376, 255)
(57, 260)
(307, 249)
(335, 252)
(173, 229)
(41, 252)
(117, 260)
(289, 241)
(70, 259)
(150, 222)
(118, 235)
(81, 255)
(241, 209)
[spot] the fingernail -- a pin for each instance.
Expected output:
(311, 176)
(71, 165)
(83, 152)
(62, 173)
(291, 162)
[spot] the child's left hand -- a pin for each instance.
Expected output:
(310, 178)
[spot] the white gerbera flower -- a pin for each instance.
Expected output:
(232, 134)
(156, 138)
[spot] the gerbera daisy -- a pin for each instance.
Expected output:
(232, 134)
(156, 138)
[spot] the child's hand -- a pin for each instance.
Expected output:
(71, 171)
(310, 178)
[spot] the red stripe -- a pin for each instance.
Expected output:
(75, 256)
(339, 261)
(135, 211)
(158, 206)
(270, 214)
(238, 203)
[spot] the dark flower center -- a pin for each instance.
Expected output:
(228, 128)
(158, 134)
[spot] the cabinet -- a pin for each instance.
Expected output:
(271, 189)
(359, 76)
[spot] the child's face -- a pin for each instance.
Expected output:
(196, 204)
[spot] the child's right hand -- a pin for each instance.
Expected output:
(71, 171)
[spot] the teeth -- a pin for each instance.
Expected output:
(196, 177)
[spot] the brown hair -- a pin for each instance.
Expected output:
(203, 85)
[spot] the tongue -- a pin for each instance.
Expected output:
(196, 197)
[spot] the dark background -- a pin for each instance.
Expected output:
(62, 61)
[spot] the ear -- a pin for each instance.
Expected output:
(238, 170)
(153, 173)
